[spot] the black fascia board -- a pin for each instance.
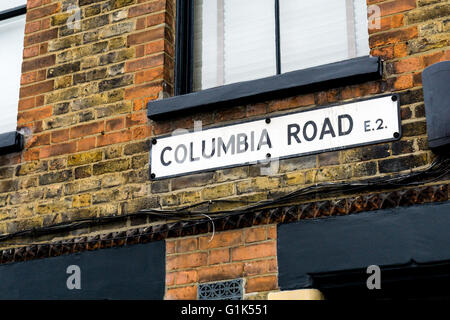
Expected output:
(338, 74)
(11, 142)
(13, 12)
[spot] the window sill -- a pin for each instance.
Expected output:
(328, 76)
(11, 142)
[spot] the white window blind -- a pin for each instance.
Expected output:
(322, 31)
(234, 41)
(11, 39)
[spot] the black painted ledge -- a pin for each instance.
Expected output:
(13, 12)
(11, 142)
(328, 76)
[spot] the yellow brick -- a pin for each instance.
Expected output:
(83, 200)
(219, 191)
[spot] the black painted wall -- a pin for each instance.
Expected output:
(129, 272)
(417, 235)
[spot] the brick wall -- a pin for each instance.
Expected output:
(413, 35)
(250, 254)
(83, 110)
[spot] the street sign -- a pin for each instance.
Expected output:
(290, 135)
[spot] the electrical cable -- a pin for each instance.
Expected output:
(438, 169)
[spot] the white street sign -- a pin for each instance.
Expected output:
(312, 131)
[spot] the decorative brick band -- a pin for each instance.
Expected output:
(282, 214)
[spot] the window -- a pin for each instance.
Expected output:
(235, 52)
(235, 40)
(12, 28)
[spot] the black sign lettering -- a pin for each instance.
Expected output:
(230, 145)
(164, 163)
(305, 128)
(264, 140)
(177, 158)
(213, 149)
(293, 131)
(327, 128)
(340, 126)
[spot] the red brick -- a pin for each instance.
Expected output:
(40, 100)
(43, 12)
(140, 23)
(186, 245)
(223, 239)
(41, 75)
(136, 119)
(87, 129)
(220, 272)
(149, 75)
(38, 140)
(113, 138)
(45, 24)
(184, 293)
(219, 256)
(142, 132)
(170, 279)
(433, 58)
(34, 114)
(161, 127)
(151, 7)
(186, 277)
(140, 51)
(260, 267)
(260, 284)
(31, 154)
(145, 63)
(27, 103)
(40, 37)
(146, 36)
(256, 109)
(255, 234)
(228, 114)
(86, 144)
(28, 78)
(255, 251)
(31, 4)
(146, 90)
(31, 27)
(385, 53)
(393, 37)
(115, 124)
(417, 79)
(154, 47)
(31, 52)
(185, 261)
(408, 65)
(60, 136)
(403, 82)
(387, 23)
(38, 63)
(348, 92)
(293, 102)
(43, 48)
(396, 6)
(58, 149)
(170, 247)
(400, 50)
(159, 18)
(272, 232)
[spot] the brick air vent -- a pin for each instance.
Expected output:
(222, 290)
